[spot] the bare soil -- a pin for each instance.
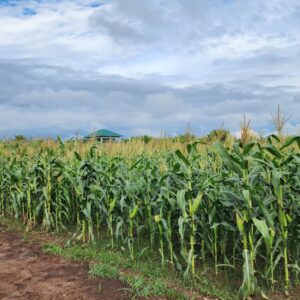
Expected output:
(26, 273)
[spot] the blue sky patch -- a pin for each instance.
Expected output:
(8, 3)
(95, 4)
(29, 11)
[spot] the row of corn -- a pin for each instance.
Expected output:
(235, 208)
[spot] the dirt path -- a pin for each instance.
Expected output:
(26, 273)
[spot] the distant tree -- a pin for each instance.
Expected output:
(147, 139)
(185, 138)
(218, 135)
(20, 137)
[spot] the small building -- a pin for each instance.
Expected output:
(103, 135)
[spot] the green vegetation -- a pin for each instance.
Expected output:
(20, 138)
(144, 278)
(218, 135)
(229, 206)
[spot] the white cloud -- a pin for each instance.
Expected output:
(147, 66)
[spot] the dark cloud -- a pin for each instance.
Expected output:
(296, 98)
(145, 66)
(75, 103)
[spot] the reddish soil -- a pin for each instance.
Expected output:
(26, 273)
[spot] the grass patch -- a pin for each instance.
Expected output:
(53, 249)
(145, 277)
(104, 271)
(140, 287)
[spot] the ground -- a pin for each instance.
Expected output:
(27, 273)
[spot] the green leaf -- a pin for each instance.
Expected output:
(290, 141)
(271, 149)
(181, 202)
(134, 212)
(249, 282)
(248, 147)
(222, 151)
(112, 204)
(232, 164)
(182, 158)
(118, 228)
(196, 203)
(265, 211)
(240, 224)
(263, 228)
(77, 155)
(181, 222)
(273, 136)
(276, 178)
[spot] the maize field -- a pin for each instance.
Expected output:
(236, 207)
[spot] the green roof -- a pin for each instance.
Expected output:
(103, 133)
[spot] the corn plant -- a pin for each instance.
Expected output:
(234, 206)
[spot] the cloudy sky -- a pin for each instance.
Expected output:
(146, 67)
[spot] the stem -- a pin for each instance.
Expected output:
(216, 249)
(192, 241)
